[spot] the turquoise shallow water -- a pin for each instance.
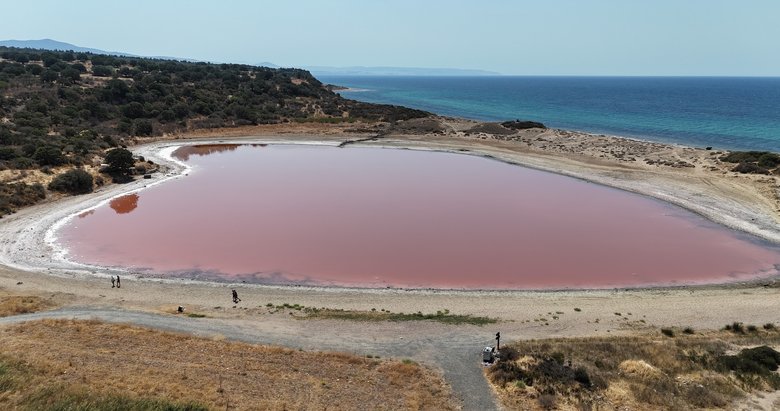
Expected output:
(722, 112)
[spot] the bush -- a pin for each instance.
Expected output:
(76, 181)
(667, 332)
(760, 361)
(522, 125)
(735, 327)
(749, 168)
(504, 372)
(102, 71)
(581, 376)
(747, 156)
(119, 160)
(49, 156)
(143, 128)
(769, 160)
(547, 401)
(22, 163)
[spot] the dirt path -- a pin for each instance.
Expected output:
(455, 351)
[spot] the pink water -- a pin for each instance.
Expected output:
(386, 217)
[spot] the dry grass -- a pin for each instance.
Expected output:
(104, 359)
(17, 304)
(702, 371)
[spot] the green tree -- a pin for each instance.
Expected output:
(49, 76)
(76, 181)
(119, 161)
(70, 75)
(143, 128)
(102, 71)
(133, 110)
(49, 156)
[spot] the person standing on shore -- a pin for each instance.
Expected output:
(118, 284)
(112, 282)
(235, 297)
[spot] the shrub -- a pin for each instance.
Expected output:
(749, 168)
(143, 128)
(509, 354)
(522, 125)
(8, 153)
(743, 156)
(102, 71)
(76, 181)
(558, 357)
(735, 327)
(547, 401)
(581, 376)
(769, 326)
(758, 361)
(22, 163)
(667, 332)
(504, 372)
(688, 330)
(119, 160)
(49, 156)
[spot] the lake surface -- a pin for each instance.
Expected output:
(723, 112)
(373, 217)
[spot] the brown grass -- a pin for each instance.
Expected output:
(17, 304)
(638, 372)
(105, 358)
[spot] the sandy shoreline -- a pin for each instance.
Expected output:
(27, 240)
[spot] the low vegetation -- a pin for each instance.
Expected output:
(754, 162)
(522, 125)
(62, 110)
(16, 304)
(443, 316)
(689, 371)
(120, 367)
(76, 181)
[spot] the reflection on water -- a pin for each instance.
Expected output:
(382, 217)
(183, 153)
(124, 204)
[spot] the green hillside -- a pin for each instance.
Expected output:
(63, 110)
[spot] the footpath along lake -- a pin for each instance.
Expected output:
(373, 217)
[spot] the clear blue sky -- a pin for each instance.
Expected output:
(552, 37)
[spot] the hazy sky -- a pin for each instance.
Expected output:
(552, 37)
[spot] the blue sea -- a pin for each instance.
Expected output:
(722, 112)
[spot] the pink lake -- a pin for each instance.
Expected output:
(372, 217)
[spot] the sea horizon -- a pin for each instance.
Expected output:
(723, 112)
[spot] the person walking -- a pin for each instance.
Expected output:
(112, 282)
(118, 284)
(235, 297)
